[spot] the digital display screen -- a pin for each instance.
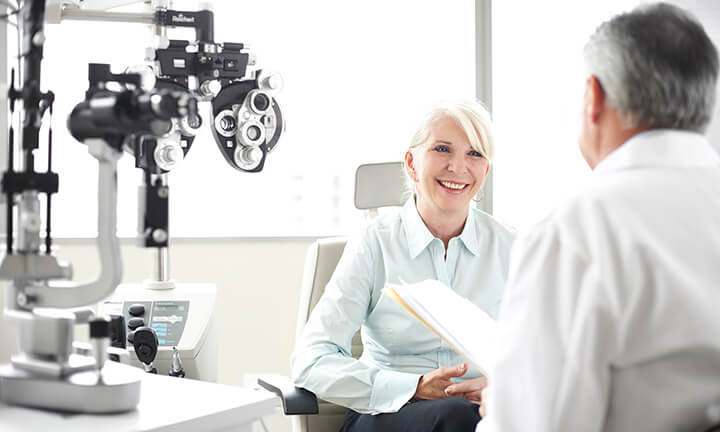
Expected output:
(169, 307)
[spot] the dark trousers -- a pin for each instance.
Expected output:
(451, 414)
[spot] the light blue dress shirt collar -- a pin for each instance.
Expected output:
(419, 237)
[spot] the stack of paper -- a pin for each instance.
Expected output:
(465, 327)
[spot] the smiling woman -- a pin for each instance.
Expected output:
(448, 162)
(436, 235)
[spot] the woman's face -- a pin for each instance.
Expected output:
(447, 171)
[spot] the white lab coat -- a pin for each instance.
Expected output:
(611, 318)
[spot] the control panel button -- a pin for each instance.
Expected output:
(131, 337)
(134, 323)
(136, 310)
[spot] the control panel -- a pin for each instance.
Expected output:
(167, 318)
(182, 318)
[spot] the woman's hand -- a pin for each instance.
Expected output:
(471, 390)
(432, 385)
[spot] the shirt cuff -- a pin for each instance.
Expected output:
(391, 390)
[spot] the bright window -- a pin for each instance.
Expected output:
(358, 77)
(538, 79)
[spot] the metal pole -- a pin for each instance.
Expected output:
(74, 14)
(162, 271)
(4, 108)
(483, 78)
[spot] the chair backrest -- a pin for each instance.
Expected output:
(320, 262)
(380, 185)
(376, 185)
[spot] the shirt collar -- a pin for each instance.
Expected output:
(469, 234)
(661, 148)
(419, 236)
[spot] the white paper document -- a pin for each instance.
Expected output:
(465, 327)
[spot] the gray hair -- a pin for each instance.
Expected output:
(657, 67)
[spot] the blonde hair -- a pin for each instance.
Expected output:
(472, 118)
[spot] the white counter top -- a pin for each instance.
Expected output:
(166, 404)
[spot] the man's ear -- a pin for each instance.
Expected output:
(595, 99)
(409, 166)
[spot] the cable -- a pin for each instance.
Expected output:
(10, 5)
(262, 423)
(14, 9)
(19, 43)
(6, 16)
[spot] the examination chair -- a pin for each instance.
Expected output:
(376, 186)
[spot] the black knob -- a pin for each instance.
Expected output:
(130, 337)
(117, 331)
(99, 328)
(145, 342)
(261, 102)
(136, 310)
(134, 323)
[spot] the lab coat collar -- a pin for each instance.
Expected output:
(661, 148)
(419, 236)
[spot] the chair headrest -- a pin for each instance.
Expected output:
(380, 185)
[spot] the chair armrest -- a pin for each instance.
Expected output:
(712, 417)
(295, 400)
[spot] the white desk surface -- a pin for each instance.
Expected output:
(166, 404)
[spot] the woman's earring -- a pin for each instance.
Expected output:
(479, 196)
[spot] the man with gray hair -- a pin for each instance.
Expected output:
(611, 318)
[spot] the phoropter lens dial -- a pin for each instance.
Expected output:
(226, 124)
(251, 133)
(259, 101)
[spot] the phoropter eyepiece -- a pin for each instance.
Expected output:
(259, 102)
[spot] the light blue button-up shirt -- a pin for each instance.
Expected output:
(397, 348)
